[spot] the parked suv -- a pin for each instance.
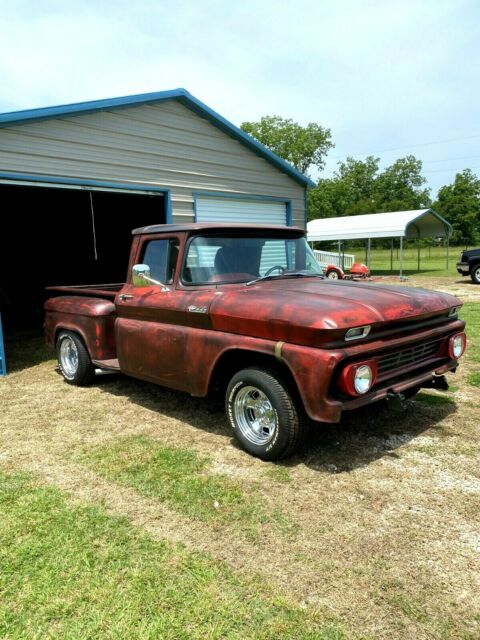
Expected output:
(470, 264)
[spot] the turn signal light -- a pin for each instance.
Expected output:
(456, 345)
(357, 379)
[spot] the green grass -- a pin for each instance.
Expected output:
(430, 398)
(278, 474)
(71, 571)
(470, 312)
(432, 260)
(180, 478)
(474, 378)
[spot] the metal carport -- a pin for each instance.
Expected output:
(419, 223)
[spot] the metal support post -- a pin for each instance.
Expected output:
(3, 363)
(401, 257)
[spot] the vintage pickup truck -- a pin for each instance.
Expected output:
(246, 310)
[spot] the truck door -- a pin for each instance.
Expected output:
(153, 321)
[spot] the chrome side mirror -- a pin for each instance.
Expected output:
(141, 277)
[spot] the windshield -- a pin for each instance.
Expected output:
(215, 259)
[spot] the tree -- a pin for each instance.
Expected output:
(401, 186)
(357, 186)
(459, 204)
(301, 146)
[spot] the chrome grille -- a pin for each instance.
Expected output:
(412, 355)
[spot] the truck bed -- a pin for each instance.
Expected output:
(108, 291)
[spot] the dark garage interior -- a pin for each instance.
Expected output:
(51, 237)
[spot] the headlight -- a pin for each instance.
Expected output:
(363, 379)
(358, 332)
(456, 345)
(356, 379)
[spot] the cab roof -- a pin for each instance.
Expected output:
(210, 226)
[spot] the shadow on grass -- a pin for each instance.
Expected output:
(25, 349)
(363, 436)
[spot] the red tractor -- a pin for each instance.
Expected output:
(357, 271)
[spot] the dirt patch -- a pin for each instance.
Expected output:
(463, 288)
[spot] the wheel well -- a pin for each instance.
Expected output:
(474, 263)
(59, 330)
(234, 360)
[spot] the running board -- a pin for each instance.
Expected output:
(107, 365)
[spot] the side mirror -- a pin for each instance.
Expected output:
(141, 277)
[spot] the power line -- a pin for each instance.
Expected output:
(411, 146)
(450, 170)
(451, 159)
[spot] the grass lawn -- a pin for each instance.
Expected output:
(70, 571)
(127, 512)
(432, 260)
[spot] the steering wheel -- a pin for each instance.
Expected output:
(272, 269)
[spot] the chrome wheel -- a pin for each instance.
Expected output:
(333, 275)
(255, 415)
(476, 275)
(69, 357)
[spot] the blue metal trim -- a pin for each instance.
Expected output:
(3, 362)
(182, 95)
(168, 206)
(243, 196)
(305, 204)
(78, 182)
(289, 213)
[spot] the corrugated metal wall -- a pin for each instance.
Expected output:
(215, 210)
(163, 145)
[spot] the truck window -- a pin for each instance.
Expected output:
(161, 257)
(242, 258)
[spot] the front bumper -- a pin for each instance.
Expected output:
(463, 268)
(315, 371)
(398, 386)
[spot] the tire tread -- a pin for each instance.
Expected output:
(297, 424)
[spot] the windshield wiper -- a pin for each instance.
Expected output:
(289, 274)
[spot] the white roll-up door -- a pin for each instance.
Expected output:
(217, 209)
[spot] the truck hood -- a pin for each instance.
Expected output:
(307, 310)
(470, 253)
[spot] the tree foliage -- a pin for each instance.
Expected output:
(459, 203)
(303, 147)
(358, 186)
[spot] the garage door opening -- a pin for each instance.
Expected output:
(54, 239)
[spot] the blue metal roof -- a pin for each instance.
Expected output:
(182, 95)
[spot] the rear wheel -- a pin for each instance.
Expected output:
(263, 415)
(74, 360)
(475, 273)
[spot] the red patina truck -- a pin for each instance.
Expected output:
(247, 310)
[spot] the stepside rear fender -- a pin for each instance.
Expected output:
(92, 318)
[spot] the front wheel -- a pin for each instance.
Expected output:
(74, 359)
(263, 414)
(475, 274)
(333, 274)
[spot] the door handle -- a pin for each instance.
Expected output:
(125, 296)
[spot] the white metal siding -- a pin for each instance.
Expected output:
(159, 145)
(210, 209)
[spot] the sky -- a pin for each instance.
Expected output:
(389, 78)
